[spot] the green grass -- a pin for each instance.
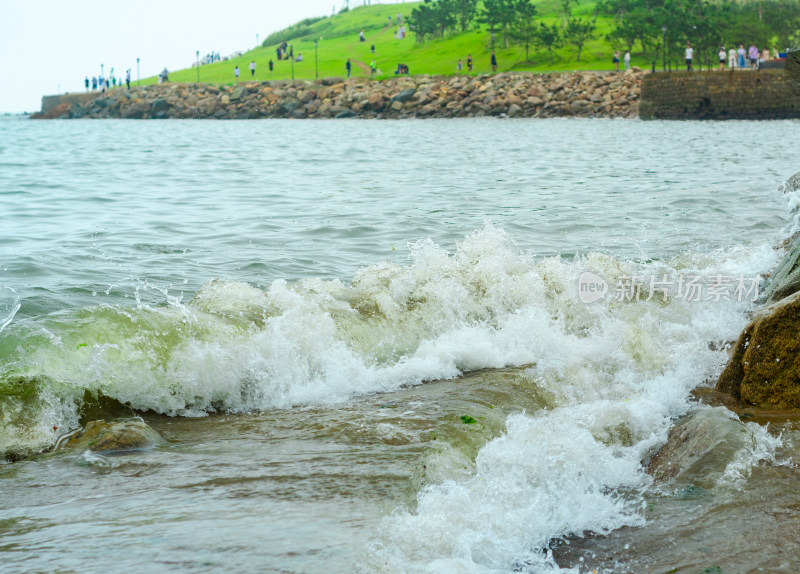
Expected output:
(338, 40)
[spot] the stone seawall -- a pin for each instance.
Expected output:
(763, 95)
(50, 103)
(581, 94)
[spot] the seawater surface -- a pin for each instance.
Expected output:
(365, 346)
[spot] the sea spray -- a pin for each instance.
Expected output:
(488, 304)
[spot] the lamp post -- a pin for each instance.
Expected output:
(664, 55)
(138, 81)
(316, 61)
(102, 73)
(197, 53)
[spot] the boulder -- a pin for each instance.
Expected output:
(785, 280)
(136, 111)
(699, 447)
(764, 370)
(404, 95)
(115, 437)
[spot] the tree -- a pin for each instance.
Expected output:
(422, 21)
(465, 10)
(499, 15)
(444, 15)
(579, 32)
(566, 11)
(490, 15)
(548, 37)
(524, 29)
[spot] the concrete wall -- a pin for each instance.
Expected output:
(50, 102)
(762, 95)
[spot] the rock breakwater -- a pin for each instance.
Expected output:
(576, 94)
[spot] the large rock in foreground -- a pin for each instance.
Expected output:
(117, 436)
(764, 370)
(699, 447)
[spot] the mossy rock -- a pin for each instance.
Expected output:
(117, 436)
(764, 370)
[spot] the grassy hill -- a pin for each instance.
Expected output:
(338, 40)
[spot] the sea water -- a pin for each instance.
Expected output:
(417, 346)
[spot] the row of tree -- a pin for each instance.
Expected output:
(654, 28)
(513, 20)
(662, 27)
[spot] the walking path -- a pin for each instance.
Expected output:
(361, 65)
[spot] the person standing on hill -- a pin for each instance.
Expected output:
(271, 65)
(494, 61)
(740, 52)
(459, 66)
(615, 60)
(253, 69)
(469, 62)
(627, 60)
(373, 67)
(86, 83)
(236, 73)
(731, 58)
(722, 55)
(752, 53)
(689, 55)
(128, 78)
(348, 66)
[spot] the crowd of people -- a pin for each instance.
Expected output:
(99, 83)
(736, 59)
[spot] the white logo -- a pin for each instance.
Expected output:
(591, 287)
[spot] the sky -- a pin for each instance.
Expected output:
(50, 46)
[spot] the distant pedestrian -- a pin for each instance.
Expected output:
(271, 65)
(740, 52)
(236, 73)
(361, 37)
(373, 68)
(732, 58)
(347, 66)
(615, 61)
(627, 59)
(399, 18)
(390, 19)
(253, 69)
(460, 66)
(372, 48)
(278, 53)
(94, 83)
(722, 55)
(752, 53)
(128, 78)
(494, 61)
(469, 62)
(689, 55)
(86, 83)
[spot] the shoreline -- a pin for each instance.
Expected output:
(521, 94)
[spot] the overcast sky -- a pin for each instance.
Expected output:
(50, 46)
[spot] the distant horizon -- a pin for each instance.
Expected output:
(60, 45)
